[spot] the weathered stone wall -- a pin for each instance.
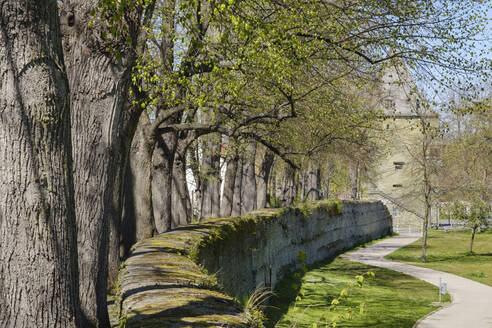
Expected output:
(260, 255)
(164, 284)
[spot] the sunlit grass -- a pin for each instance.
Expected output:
(449, 252)
(392, 299)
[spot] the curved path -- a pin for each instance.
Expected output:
(472, 301)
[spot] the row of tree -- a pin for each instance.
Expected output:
(190, 79)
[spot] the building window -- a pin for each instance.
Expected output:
(387, 126)
(417, 103)
(395, 210)
(397, 185)
(389, 104)
(398, 165)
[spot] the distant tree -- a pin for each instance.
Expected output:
(427, 161)
(474, 215)
(467, 154)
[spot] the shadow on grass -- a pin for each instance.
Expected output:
(391, 297)
(288, 287)
(286, 292)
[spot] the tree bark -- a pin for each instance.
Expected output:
(38, 256)
(327, 179)
(424, 233)
(194, 165)
(313, 185)
(101, 129)
(354, 180)
(262, 195)
(237, 195)
(249, 179)
(273, 188)
(229, 182)
(181, 204)
(138, 217)
(162, 181)
(210, 171)
(474, 230)
(288, 191)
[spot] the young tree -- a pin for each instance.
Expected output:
(38, 256)
(427, 166)
(474, 215)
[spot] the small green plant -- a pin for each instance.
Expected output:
(122, 320)
(301, 258)
(332, 317)
(209, 280)
(194, 249)
(331, 206)
(274, 202)
(477, 275)
(253, 306)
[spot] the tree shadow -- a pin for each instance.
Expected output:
(205, 312)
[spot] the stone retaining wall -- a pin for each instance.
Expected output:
(165, 283)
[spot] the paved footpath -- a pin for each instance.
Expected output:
(472, 301)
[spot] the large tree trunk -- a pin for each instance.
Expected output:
(138, 217)
(278, 192)
(313, 183)
(194, 165)
(38, 257)
(354, 180)
(229, 181)
(162, 181)
(327, 180)
(181, 204)
(272, 186)
(131, 117)
(238, 186)
(101, 129)
(249, 179)
(210, 171)
(262, 196)
(288, 190)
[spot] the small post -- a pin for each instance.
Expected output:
(440, 289)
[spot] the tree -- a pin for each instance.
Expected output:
(137, 221)
(467, 152)
(100, 48)
(266, 165)
(426, 161)
(38, 256)
(474, 215)
(466, 158)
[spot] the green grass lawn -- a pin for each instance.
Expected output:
(391, 299)
(449, 252)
